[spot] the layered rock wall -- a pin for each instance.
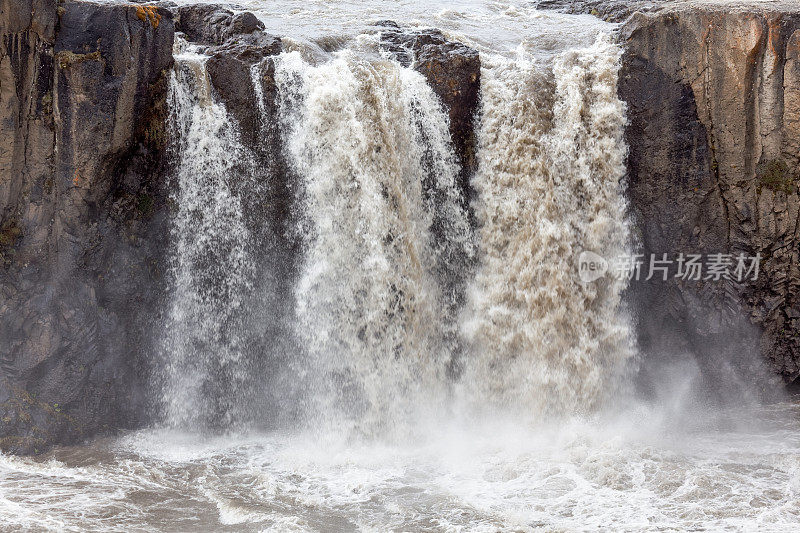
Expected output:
(713, 97)
(82, 110)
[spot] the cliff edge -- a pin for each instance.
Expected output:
(82, 214)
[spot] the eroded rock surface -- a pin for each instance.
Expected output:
(714, 97)
(82, 108)
(213, 24)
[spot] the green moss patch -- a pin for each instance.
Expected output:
(775, 176)
(10, 233)
(66, 58)
(145, 204)
(19, 416)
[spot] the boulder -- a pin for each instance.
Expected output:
(213, 24)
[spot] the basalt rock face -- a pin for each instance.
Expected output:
(453, 71)
(713, 101)
(240, 69)
(83, 214)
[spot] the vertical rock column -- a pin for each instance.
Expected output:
(714, 163)
(83, 212)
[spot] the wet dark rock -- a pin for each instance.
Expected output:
(234, 68)
(608, 10)
(236, 42)
(453, 71)
(713, 97)
(213, 24)
(82, 212)
(230, 69)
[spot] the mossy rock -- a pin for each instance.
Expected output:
(47, 103)
(28, 425)
(10, 233)
(149, 14)
(65, 58)
(145, 204)
(775, 176)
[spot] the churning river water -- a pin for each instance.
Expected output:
(539, 428)
(733, 472)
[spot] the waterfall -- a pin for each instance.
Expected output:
(373, 318)
(371, 144)
(381, 332)
(551, 160)
(211, 268)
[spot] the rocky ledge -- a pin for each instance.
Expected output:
(608, 10)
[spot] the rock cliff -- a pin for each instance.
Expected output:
(713, 93)
(82, 215)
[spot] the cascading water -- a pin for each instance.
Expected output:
(552, 157)
(211, 268)
(371, 311)
(365, 136)
(378, 325)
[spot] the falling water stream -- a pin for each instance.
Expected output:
(365, 136)
(211, 265)
(402, 397)
(551, 160)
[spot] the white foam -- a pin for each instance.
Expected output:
(551, 159)
(365, 135)
(628, 472)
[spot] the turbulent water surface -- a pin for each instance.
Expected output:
(436, 364)
(735, 472)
